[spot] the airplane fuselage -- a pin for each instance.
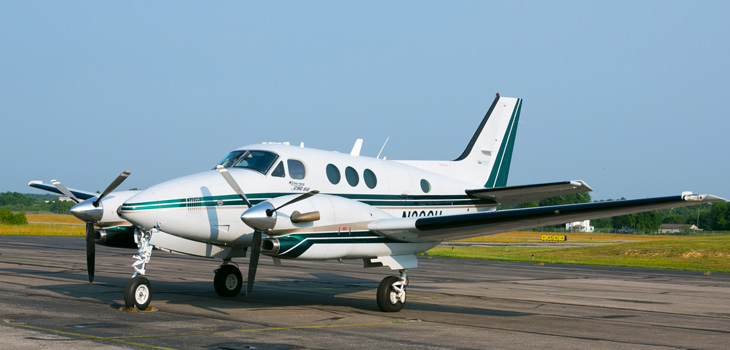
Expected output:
(203, 207)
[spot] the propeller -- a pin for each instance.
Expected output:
(90, 211)
(57, 184)
(261, 218)
(232, 182)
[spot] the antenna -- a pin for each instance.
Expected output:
(356, 148)
(381, 148)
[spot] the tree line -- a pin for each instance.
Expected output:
(18, 202)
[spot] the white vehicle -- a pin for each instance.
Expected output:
(291, 202)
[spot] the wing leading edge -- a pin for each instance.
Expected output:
(461, 226)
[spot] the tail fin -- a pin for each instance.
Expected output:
(487, 158)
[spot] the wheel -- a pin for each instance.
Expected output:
(138, 293)
(391, 294)
(228, 281)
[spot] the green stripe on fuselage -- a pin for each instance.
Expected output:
(374, 200)
(293, 246)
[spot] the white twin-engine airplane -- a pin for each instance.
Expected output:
(292, 202)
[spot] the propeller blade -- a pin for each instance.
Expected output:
(118, 181)
(232, 182)
(90, 250)
(300, 198)
(57, 184)
(253, 262)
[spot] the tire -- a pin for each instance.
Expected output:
(138, 293)
(228, 281)
(388, 300)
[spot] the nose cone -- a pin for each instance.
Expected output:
(86, 211)
(141, 209)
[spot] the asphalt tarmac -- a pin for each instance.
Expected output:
(47, 302)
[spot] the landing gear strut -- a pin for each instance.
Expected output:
(392, 292)
(228, 280)
(138, 292)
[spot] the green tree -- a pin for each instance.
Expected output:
(15, 198)
(567, 199)
(674, 219)
(8, 218)
(61, 207)
(719, 217)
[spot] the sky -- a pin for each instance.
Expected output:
(629, 96)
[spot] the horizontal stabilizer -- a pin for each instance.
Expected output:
(82, 195)
(488, 223)
(522, 194)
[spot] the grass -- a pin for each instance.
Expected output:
(533, 237)
(682, 253)
(53, 218)
(46, 225)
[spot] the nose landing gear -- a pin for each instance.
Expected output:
(138, 293)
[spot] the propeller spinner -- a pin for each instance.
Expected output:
(90, 211)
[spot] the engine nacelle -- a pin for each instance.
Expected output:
(322, 213)
(117, 237)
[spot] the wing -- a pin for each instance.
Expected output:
(522, 194)
(461, 226)
(82, 195)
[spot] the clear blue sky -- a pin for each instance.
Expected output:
(630, 96)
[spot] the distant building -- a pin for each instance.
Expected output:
(677, 228)
(579, 226)
(64, 199)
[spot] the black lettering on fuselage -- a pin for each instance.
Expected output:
(422, 213)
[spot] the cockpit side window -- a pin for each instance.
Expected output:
(279, 170)
(260, 161)
(230, 158)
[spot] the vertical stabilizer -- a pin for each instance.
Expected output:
(487, 157)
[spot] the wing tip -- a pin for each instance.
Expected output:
(708, 198)
(581, 183)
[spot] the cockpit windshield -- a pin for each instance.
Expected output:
(260, 161)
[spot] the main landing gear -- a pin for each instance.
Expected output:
(138, 292)
(392, 292)
(228, 280)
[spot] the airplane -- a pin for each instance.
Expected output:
(292, 202)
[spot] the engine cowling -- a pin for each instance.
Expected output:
(320, 213)
(117, 237)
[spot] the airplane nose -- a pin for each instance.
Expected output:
(141, 209)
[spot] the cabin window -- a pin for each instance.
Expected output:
(370, 179)
(425, 186)
(297, 171)
(352, 177)
(260, 161)
(333, 174)
(279, 170)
